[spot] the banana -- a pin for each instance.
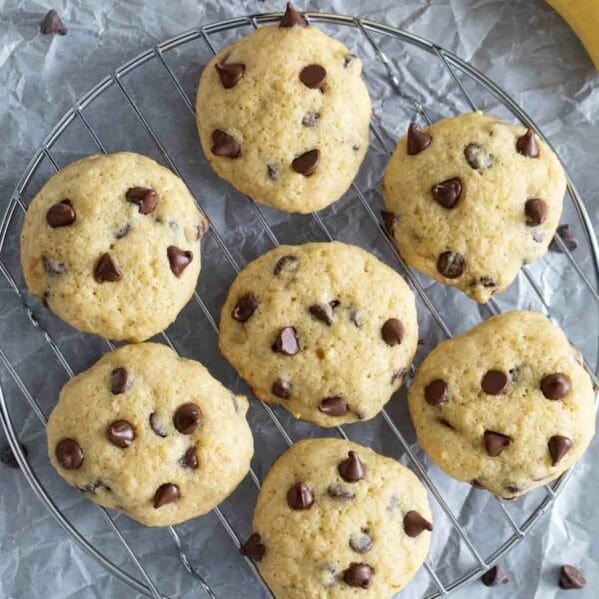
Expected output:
(583, 18)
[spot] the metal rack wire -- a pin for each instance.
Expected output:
(144, 583)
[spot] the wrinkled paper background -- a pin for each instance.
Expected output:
(522, 45)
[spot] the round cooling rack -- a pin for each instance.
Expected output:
(147, 106)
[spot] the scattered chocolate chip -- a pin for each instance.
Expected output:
(286, 342)
(334, 304)
(52, 23)
(69, 454)
(313, 76)
(555, 386)
(571, 577)
(356, 317)
(144, 198)
(451, 265)
(352, 469)
(358, 575)
(477, 157)
(299, 497)
(487, 282)
(8, 458)
(225, 145)
(567, 236)
(322, 312)
(202, 229)
(494, 576)
(390, 219)
(123, 231)
(120, 433)
(559, 446)
(495, 443)
(435, 393)
(292, 18)
(417, 140)
(446, 423)
(245, 307)
(447, 193)
(187, 418)
(282, 389)
(535, 211)
(306, 163)
(361, 542)
(156, 425)
(333, 406)
(229, 74)
(190, 459)
(61, 214)
(53, 268)
(392, 332)
(348, 59)
(178, 259)
(253, 548)
(339, 493)
(311, 119)
(120, 381)
(495, 382)
(107, 270)
(272, 170)
(414, 524)
(399, 375)
(286, 265)
(166, 493)
(527, 145)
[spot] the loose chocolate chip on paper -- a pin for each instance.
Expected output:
(339, 493)
(435, 393)
(156, 425)
(187, 418)
(448, 192)
(282, 389)
(292, 18)
(245, 307)
(253, 548)
(495, 382)
(286, 342)
(392, 331)
(414, 524)
(313, 76)
(535, 210)
(190, 459)
(358, 575)
(571, 577)
(166, 493)
(494, 576)
(451, 265)
(178, 259)
(417, 140)
(120, 380)
(225, 145)
(361, 542)
(333, 406)
(352, 469)
(322, 312)
(107, 270)
(299, 497)
(61, 214)
(120, 433)
(52, 23)
(229, 74)
(565, 233)
(8, 458)
(495, 443)
(286, 265)
(555, 386)
(53, 268)
(311, 119)
(145, 198)
(477, 157)
(559, 446)
(307, 163)
(527, 145)
(69, 454)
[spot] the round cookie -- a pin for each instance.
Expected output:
(111, 245)
(336, 520)
(505, 406)
(151, 434)
(470, 199)
(283, 115)
(324, 329)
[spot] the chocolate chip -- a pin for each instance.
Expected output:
(52, 23)
(311, 119)
(145, 198)
(282, 389)
(272, 171)
(399, 375)
(339, 493)
(352, 469)
(8, 458)
(495, 443)
(417, 140)
(69, 454)
(286, 342)
(355, 147)
(292, 18)
(53, 268)
(527, 145)
(286, 265)
(435, 393)
(94, 486)
(225, 145)
(487, 282)
(156, 425)
(322, 312)
(313, 76)
(333, 406)
(571, 577)
(555, 386)
(61, 214)
(253, 548)
(447, 193)
(245, 307)
(306, 163)
(356, 317)
(107, 270)
(495, 382)
(299, 497)
(120, 380)
(120, 433)
(229, 74)
(187, 418)
(190, 459)
(202, 229)
(348, 59)
(414, 524)
(392, 332)
(567, 236)
(451, 265)
(123, 231)
(178, 259)
(361, 542)
(166, 493)
(535, 211)
(494, 576)
(390, 220)
(358, 575)
(477, 157)
(559, 446)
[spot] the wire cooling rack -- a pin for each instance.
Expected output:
(414, 80)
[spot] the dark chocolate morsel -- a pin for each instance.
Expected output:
(494, 576)
(166, 493)
(225, 145)
(107, 270)
(69, 454)
(61, 214)
(229, 74)
(245, 307)
(417, 140)
(358, 575)
(178, 259)
(299, 497)
(292, 18)
(144, 198)
(253, 548)
(52, 23)
(187, 418)
(414, 523)
(571, 577)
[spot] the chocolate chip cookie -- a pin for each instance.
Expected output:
(151, 434)
(470, 199)
(111, 244)
(283, 115)
(335, 519)
(506, 406)
(324, 329)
